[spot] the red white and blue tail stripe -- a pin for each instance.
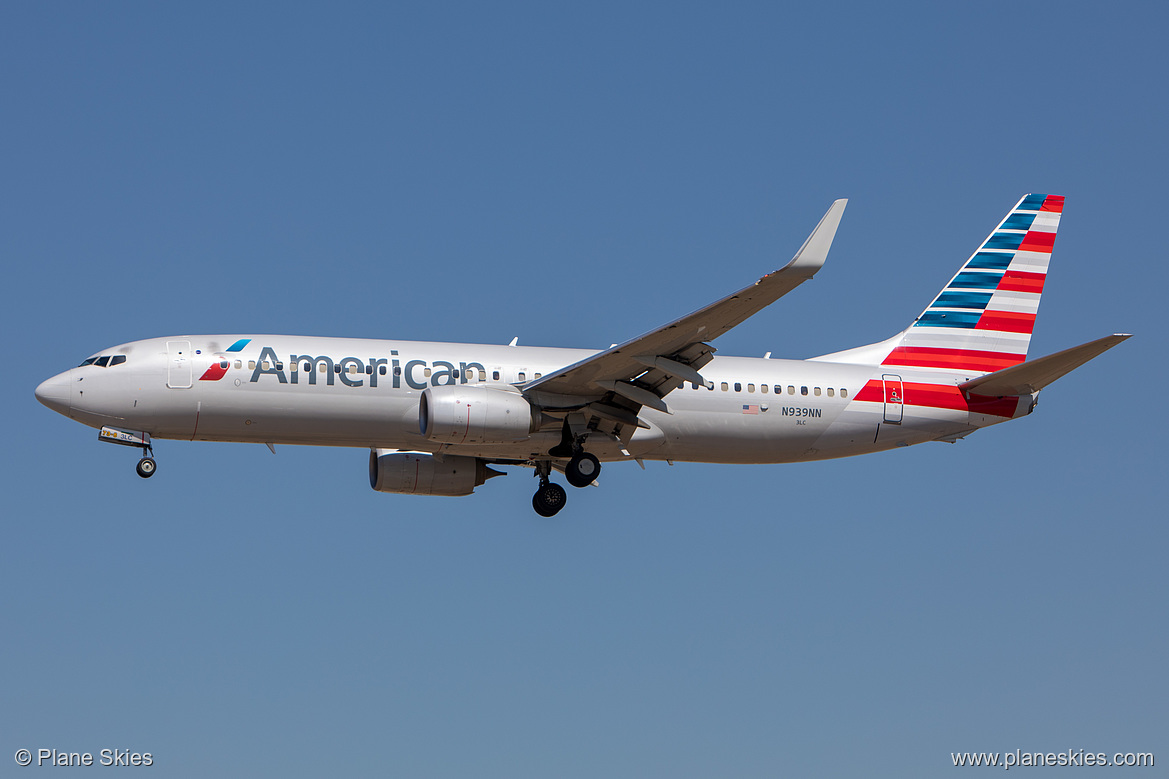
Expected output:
(982, 320)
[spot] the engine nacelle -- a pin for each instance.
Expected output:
(418, 473)
(474, 414)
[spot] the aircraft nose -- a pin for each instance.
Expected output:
(55, 393)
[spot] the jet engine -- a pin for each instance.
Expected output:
(418, 473)
(474, 414)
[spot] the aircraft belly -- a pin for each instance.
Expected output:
(296, 416)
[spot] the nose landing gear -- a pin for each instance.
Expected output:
(146, 466)
(136, 438)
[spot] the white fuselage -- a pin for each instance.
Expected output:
(365, 393)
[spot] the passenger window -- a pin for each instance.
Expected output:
(251, 365)
(523, 376)
(495, 375)
(118, 359)
(294, 367)
(239, 364)
(538, 375)
(843, 392)
(323, 368)
(426, 372)
(803, 390)
(830, 392)
(791, 390)
(352, 369)
(750, 388)
(267, 365)
(455, 373)
(816, 391)
(369, 370)
(382, 370)
(738, 387)
(224, 364)
(763, 388)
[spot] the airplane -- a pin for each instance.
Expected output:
(436, 416)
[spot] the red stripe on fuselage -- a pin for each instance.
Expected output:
(945, 396)
(961, 359)
(214, 373)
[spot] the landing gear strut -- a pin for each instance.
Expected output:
(146, 466)
(583, 468)
(550, 497)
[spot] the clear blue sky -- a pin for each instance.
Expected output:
(575, 176)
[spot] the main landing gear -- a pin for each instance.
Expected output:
(550, 497)
(581, 471)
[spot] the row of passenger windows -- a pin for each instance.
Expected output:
(777, 389)
(104, 361)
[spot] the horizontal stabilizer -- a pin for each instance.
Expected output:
(1033, 375)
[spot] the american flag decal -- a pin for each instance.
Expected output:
(750, 409)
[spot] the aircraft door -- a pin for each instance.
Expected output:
(894, 398)
(178, 370)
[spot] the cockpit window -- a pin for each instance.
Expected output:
(104, 361)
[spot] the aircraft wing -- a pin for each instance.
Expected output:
(640, 372)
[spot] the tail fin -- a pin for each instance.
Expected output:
(982, 320)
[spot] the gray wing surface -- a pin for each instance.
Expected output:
(642, 371)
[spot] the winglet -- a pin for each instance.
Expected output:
(1034, 375)
(814, 252)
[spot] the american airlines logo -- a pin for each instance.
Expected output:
(356, 372)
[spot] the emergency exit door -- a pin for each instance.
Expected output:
(894, 398)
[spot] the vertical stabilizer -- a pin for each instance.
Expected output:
(982, 320)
